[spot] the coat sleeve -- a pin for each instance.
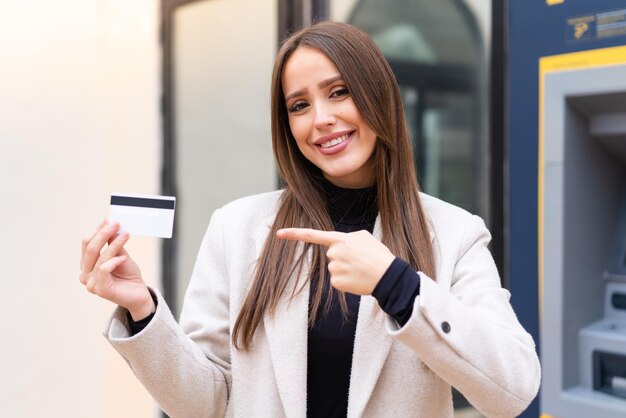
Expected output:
(469, 335)
(185, 368)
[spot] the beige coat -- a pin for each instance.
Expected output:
(193, 371)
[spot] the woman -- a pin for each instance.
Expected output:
(374, 304)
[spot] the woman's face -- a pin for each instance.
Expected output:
(324, 120)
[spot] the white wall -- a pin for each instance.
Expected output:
(79, 89)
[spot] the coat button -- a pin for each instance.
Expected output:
(445, 326)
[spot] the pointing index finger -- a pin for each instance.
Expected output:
(314, 236)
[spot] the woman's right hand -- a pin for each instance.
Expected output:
(112, 274)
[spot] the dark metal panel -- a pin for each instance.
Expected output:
(455, 78)
(319, 10)
(290, 17)
(497, 135)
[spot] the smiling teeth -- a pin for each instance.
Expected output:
(335, 141)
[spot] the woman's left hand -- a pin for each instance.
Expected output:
(356, 260)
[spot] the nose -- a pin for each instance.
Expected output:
(324, 115)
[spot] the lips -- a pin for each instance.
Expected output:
(333, 139)
(334, 143)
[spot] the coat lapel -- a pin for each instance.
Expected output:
(287, 337)
(372, 343)
(371, 348)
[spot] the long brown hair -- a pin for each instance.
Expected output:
(374, 90)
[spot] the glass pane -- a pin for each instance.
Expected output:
(447, 165)
(426, 31)
(222, 65)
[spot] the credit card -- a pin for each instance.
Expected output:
(147, 215)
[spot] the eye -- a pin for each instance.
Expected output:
(298, 106)
(339, 92)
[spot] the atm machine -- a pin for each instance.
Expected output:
(603, 343)
(582, 200)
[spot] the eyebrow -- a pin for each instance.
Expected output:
(321, 85)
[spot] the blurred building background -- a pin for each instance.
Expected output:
(172, 97)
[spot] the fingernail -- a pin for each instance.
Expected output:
(115, 225)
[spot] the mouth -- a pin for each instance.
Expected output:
(335, 141)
